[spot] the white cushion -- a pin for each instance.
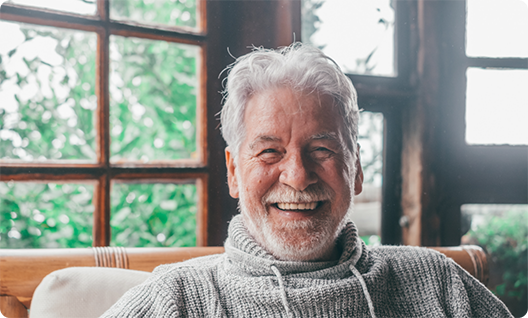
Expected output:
(82, 291)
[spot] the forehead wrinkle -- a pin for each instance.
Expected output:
(262, 138)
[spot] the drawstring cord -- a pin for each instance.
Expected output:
(365, 290)
(283, 291)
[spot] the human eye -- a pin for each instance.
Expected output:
(321, 153)
(270, 155)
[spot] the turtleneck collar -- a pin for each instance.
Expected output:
(244, 251)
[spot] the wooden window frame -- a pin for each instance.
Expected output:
(390, 96)
(102, 173)
(479, 174)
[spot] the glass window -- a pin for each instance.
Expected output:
(367, 205)
(72, 6)
(47, 90)
(45, 215)
(497, 28)
(159, 214)
(78, 100)
(497, 106)
(153, 91)
(358, 35)
(502, 231)
(180, 13)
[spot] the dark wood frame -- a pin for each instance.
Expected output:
(428, 170)
(391, 96)
(470, 173)
(103, 173)
(440, 172)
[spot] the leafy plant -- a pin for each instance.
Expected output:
(153, 215)
(163, 12)
(34, 215)
(52, 111)
(153, 100)
(505, 239)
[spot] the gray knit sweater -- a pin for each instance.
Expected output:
(246, 281)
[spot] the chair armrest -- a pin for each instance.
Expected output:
(11, 307)
(22, 270)
(472, 258)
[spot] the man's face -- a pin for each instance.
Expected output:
(294, 175)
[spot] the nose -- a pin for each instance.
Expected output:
(296, 172)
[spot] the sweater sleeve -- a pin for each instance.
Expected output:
(481, 302)
(149, 299)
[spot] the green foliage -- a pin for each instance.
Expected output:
(371, 240)
(55, 96)
(169, 12)
(34, 215)
(153, 215)
(310, 20)
(506, 240)
(153, 100)
(366, 63)
(153, 93)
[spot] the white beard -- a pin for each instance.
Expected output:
(302, 240)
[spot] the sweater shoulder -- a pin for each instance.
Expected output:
(412, 258)
(171, 291)
(202, 264)
(405, 253)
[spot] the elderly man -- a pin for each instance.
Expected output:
(290, 122)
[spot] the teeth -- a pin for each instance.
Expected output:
(297, 206)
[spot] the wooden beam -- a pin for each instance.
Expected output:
(420, 221)
(11, 307)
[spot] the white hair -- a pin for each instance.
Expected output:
(299, 67)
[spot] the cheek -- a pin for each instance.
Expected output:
(260, 180)
(337, 176)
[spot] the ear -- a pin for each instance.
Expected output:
(358, 182)
(231, 175)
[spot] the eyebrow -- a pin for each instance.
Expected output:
(332, 136)
(262, 138)
(325, 136)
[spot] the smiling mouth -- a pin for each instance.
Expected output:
(305, 206)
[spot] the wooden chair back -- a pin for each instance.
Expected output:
(22, 270)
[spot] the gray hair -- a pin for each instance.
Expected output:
(300, 67)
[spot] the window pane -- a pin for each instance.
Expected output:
(497, 28)
(153, 100)
(357, 34)
(501, 230)
(47, 93)
(153, 214)
(367, 205)
(45, 215)
(182, 13)
(497, 106)
(73, 6)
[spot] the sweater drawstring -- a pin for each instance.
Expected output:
(365, 290)
(282, 290)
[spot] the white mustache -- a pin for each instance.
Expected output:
(281, 193)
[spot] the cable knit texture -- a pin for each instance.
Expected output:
(246, 281)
